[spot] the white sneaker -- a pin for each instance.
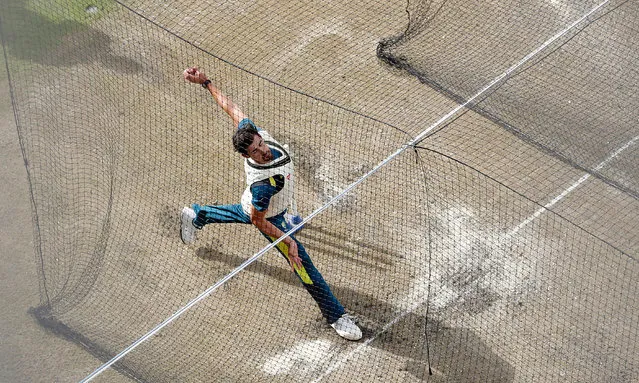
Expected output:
(346, 328)
(187, 231)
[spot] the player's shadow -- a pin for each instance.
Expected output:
(361, 251)
(456, 354)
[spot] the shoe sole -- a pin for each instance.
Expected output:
(347, 335)
(184, 217)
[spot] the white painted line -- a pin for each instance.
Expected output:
(346, 356)
(417, 139)
(572, 187)
(301, 358)
(390, 158)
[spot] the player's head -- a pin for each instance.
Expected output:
(250, 144)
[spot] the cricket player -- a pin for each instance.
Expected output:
(264, 203)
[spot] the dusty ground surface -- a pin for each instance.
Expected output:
(491, 290)
(28, 352)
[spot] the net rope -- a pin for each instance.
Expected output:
(415, 141)
(484, 243)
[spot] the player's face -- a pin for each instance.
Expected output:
(259, 151)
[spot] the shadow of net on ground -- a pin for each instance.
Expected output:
(456, 354)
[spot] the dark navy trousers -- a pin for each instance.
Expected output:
(310, 277)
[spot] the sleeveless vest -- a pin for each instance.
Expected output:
(259, 172)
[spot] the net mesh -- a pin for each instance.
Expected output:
(501, 247)
(575, 100)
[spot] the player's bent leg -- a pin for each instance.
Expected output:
(317, 287)
(331, 308)
(315, 284)
(197, 216)
(206, 214)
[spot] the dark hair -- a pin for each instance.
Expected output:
(244, 137)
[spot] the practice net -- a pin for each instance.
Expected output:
(474, 194)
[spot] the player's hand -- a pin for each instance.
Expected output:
(194, 75)
(294, 256)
